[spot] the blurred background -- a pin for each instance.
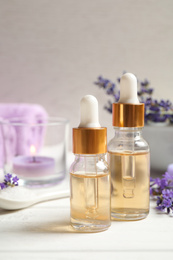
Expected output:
(51, 51)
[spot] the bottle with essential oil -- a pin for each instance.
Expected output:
(89, 173)
(129, 156)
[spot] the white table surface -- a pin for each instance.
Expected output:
(43, 231)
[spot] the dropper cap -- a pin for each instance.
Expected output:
(89, 137)
(89, 112)
(128, 112)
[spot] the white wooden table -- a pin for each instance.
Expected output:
(44, 232)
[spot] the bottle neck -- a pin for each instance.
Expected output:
(90, 157)
(128, 133)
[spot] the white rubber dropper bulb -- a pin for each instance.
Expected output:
(89, 112)
(128, 89)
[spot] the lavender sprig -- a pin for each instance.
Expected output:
(165, 201)
(163, 189)
(109, 86)
(155, 111)
(10, 180)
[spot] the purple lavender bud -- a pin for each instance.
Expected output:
(161, 208)
(116, 96)
(15, 180)
(8, 177)
(166, 193)
(168, 210)
(148, 101)
(2, 186)
(110, 90)
(109, 109)
(158, 181)
(163, 183)
(151, 179)
(151, 191)
(118, 80)
(155, 108)
(167, 176)
(145, 83)
(159, 201)
(167, 203)
(149, 91)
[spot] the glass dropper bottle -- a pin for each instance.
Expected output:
(89, 173)
(129, 156)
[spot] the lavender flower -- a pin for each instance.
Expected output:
(168, 180)
(165, 201)
(163, 189)
(9, 180)
(15, 180)
(8, 177)
(155, 111)
(158, 185)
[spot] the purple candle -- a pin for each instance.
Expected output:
(33, 166)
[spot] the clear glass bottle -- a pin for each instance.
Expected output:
(129, 157)
(89, 174)
(90, 193)
(129, 160)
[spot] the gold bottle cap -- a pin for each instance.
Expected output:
(90, 140)
(128, 115)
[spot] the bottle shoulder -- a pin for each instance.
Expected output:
(135, 145)
(89, 165)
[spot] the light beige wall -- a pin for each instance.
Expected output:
(51, 51)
